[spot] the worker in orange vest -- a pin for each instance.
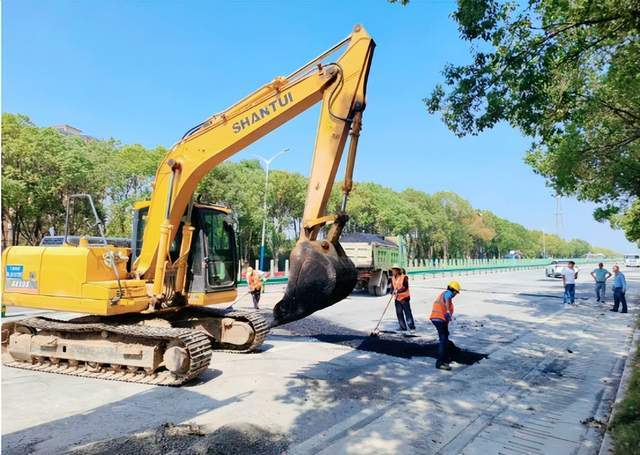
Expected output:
(400, 283)
(255, 286)
(441, 315)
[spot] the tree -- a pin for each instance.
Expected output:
(566, 74)
(241, 187)
(41, 168)
(130, 171)
(285, 204)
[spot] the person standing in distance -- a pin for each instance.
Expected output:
(569, 276)
(255, 286)
(600, 276)
(619, 290)
(441, 315)
(400, 283)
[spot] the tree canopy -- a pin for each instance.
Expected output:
(42, 168)
(566, 74)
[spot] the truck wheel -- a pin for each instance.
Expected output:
(379, 284)
(386, 284)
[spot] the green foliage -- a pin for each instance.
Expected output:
(42, 167)
(241, 187)
(565, 74)
(626, 422)
(130, 171)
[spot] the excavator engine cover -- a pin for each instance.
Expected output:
(320, 275)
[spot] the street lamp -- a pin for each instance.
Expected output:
(266, 162)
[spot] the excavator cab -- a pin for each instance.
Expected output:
(212, 265)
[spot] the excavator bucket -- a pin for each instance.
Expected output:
(320, 275)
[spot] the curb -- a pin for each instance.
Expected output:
(606, 448)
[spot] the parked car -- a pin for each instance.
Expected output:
(554, 270)
(632, 260)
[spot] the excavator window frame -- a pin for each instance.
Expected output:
(229, 263)
(198, 279)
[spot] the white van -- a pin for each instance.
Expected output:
(632, 260)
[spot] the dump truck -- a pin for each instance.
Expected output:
(373, 256)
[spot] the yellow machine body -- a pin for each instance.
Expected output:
(69, 278)
(76, 279)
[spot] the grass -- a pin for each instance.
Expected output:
(625, 426)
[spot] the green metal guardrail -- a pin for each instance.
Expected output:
(470, 265)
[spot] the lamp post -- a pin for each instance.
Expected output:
(266, 162)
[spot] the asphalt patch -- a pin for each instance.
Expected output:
(386, 342)
(403, 348)
(190, 439)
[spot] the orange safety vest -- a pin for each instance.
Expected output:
(439, 310)
(255, 283)
(397, 282)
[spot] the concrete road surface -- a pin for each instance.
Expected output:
(534, 376)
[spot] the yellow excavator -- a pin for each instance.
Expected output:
(158, 305)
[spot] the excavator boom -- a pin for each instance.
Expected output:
(154, 321)
(341, 87)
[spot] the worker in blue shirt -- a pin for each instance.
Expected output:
(600, 276)
(619, 290)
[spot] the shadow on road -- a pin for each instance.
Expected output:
(131, 414)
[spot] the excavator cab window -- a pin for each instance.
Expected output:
(213, 258)
(220, 256)
(139, 221)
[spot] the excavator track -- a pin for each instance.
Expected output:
(196, 343)
(260, 327)
(190, 316)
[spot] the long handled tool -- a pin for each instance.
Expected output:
(242, 296)
(375, 332)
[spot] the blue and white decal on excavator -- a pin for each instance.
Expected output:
(14, 271)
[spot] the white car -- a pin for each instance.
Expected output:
(554, 270)
(632, 260)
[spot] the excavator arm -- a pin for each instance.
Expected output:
(320, 272)
(131, 334)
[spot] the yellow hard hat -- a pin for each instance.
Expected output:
(396, 266)
(455, 285)
(249, 270)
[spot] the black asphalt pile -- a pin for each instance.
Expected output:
(312, 326)
(402, 347)
(189, 439)
(387, 343)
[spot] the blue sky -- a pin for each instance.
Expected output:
(146, 71)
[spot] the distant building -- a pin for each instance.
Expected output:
(69, 130)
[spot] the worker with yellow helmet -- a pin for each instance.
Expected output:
(441, 315)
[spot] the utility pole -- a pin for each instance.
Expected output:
(544, 245)
(267, 163)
